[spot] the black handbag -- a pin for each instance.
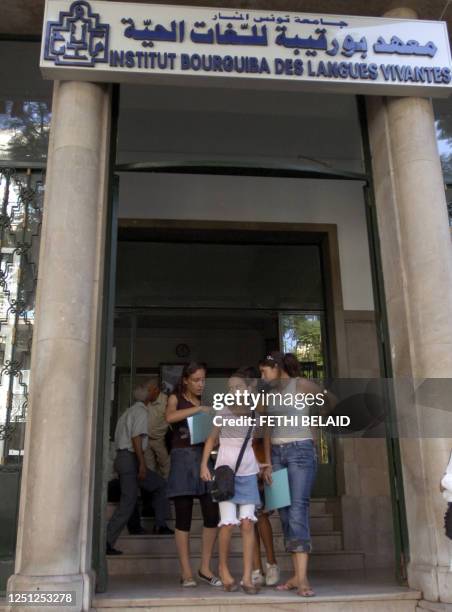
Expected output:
(222, 487)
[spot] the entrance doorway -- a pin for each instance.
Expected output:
(225, 293)
(225, 296)
(225, 251)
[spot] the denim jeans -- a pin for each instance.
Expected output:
(300, 459)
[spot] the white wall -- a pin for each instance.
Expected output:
(234, 198)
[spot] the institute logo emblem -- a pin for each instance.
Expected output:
(78, 38)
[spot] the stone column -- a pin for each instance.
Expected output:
(54, 532)
(417, 270)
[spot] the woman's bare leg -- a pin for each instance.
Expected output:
(209, 536)
(183, 550)
(266, 533)
(224, 540)
(257, 559)
(300, 561)
(247, 529)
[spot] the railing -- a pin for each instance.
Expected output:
(21, 200)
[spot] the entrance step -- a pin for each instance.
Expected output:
(241, 603)
(322, 542)
(319, 524)
(149, 554)
(325, 518)
(165, 562)
(320, 506)
(347, 591)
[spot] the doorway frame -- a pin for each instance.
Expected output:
(334, 313)
(323, 235)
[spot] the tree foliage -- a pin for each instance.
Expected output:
(29, 131)
(304, 333)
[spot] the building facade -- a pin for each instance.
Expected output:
(145, 203)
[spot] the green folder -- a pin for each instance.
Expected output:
(277, 495)
(200, 426)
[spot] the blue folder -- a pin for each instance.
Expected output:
(277, 495)
(200, 426)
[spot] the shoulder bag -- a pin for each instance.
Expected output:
(222, 488)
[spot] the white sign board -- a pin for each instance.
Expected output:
(117, 42)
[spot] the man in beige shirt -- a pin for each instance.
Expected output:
(156, 454)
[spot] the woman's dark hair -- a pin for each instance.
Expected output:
(248, 373)
(188, 370)
(285, 361)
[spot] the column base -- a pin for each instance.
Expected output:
(435, 582)
(80, 585)
(445, 583)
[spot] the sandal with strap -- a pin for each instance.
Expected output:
(212, 580)
(286, 586)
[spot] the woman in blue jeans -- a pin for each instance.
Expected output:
(292, 448)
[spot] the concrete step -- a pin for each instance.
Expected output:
(240, 602)
(165, 562)
(344, 591)
(352, 593)
(319, 507)
(149, 544)
(319, 524)
(267, 599)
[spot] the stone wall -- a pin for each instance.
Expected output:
(362, 463)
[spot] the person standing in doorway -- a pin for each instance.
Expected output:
(131, 437)
(294, 449)
(156, 454)
(184, 482)
(236, 451)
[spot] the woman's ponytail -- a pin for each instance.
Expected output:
(291, 365)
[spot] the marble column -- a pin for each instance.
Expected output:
(54, 532)
(417, 269)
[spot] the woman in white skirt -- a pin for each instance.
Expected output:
(240, 509)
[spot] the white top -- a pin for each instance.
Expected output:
(446, 481)
(231, 440)
(281, 434)
(134, 422)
